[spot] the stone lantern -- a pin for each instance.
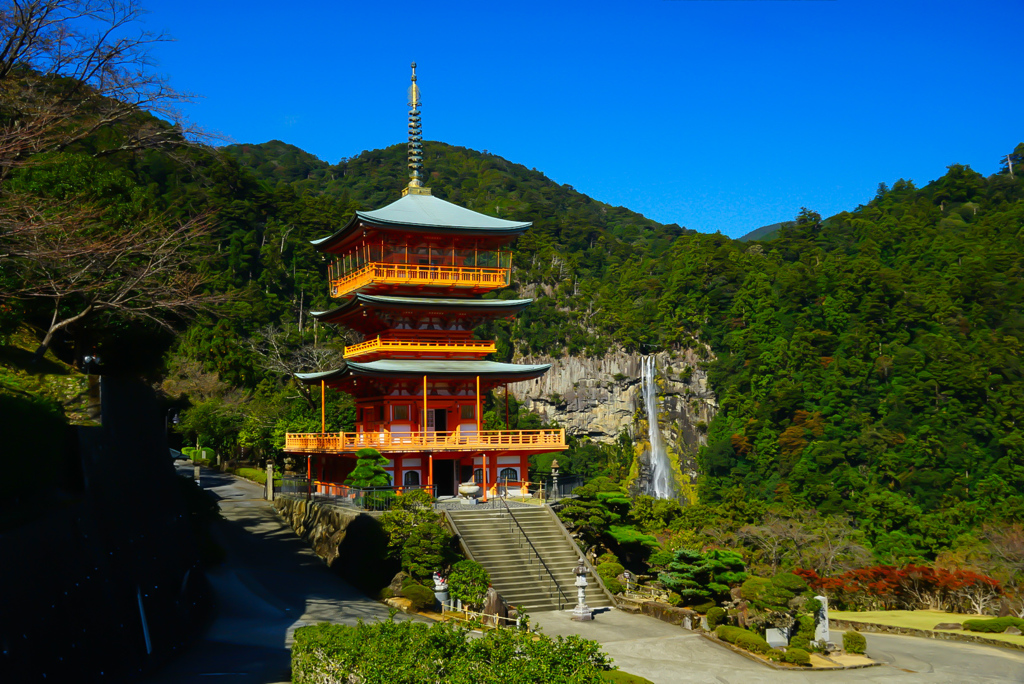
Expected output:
(582, 611)
(554, 479)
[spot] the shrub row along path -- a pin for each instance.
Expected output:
(270, 584)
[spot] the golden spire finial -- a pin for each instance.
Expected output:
(415, 142)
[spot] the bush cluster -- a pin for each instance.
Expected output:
(609, 572)
(407, 651)
(716, 616)
(993, 625)
(468, 582)
(743, 638)
(854, 642)
(796, 656)
(420, 597)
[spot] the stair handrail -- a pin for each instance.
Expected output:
(523, 535)
(596, 578)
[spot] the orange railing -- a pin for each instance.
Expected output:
(437, 276)
(426, 346)
(506, 440)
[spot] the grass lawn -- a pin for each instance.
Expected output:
(918, 619)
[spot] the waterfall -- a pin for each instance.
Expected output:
(660, 486)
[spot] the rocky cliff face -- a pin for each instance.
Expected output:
(601, 397)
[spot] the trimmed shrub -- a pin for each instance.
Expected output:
(607, 557)
(701, 607)
(753, 589)
(743, 638)
(412, 651)
(716, 616)
(993, 625)
(854, 642)
(429, 548)
(609, 572)
(774, 655)
(804, 633)
(610, 569)
(612, 584)
(468, 582)
(796, 656)
(419, 597)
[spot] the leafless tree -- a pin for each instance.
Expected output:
(274, 351)
(70, 68)
(70, 259)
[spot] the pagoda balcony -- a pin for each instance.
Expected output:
(471, 278)
(407, 442)
(423, 347)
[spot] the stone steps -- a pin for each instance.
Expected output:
(515, 571)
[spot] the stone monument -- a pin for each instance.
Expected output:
(821, 631)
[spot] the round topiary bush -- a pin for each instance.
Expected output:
(743, 638)
(420, 597)
(716, 616)
(796, 656)
(774, 655)
(854, 642)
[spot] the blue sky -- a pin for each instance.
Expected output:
(716, 115)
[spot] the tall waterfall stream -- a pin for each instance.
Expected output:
(661, 485)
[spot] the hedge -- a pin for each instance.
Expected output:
(854, 642)
(994, 625)
(796, 656)
(408, 651)
(257, 475)
(743, 638)
(716, 616)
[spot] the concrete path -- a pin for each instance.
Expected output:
(270, 584)
(667, 654)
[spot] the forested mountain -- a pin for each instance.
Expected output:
(866, 365)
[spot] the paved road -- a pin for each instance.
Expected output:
(270, 584)
(666, 654)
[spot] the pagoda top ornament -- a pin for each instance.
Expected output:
(415, 186)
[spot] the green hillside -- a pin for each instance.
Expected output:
(865, 366)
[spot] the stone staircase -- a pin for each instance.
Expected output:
(495, 542)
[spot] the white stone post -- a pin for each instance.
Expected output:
(270, 481)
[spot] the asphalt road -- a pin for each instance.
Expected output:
(270, 584)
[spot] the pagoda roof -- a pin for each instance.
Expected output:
(504, 306)
(426, 213)
(398, 368)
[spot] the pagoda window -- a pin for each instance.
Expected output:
(400, 412)
(468, 411)
(478, 476)
(508, 474)
(411, 479)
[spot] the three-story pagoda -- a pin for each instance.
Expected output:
(410, 278)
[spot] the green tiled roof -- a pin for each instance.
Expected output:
(430, 213)
(416, 367)
(425, 302)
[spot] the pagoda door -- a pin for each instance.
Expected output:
(437, 420)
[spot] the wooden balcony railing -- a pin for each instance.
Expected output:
(499, 440)
(423, 276)
(379, 345)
